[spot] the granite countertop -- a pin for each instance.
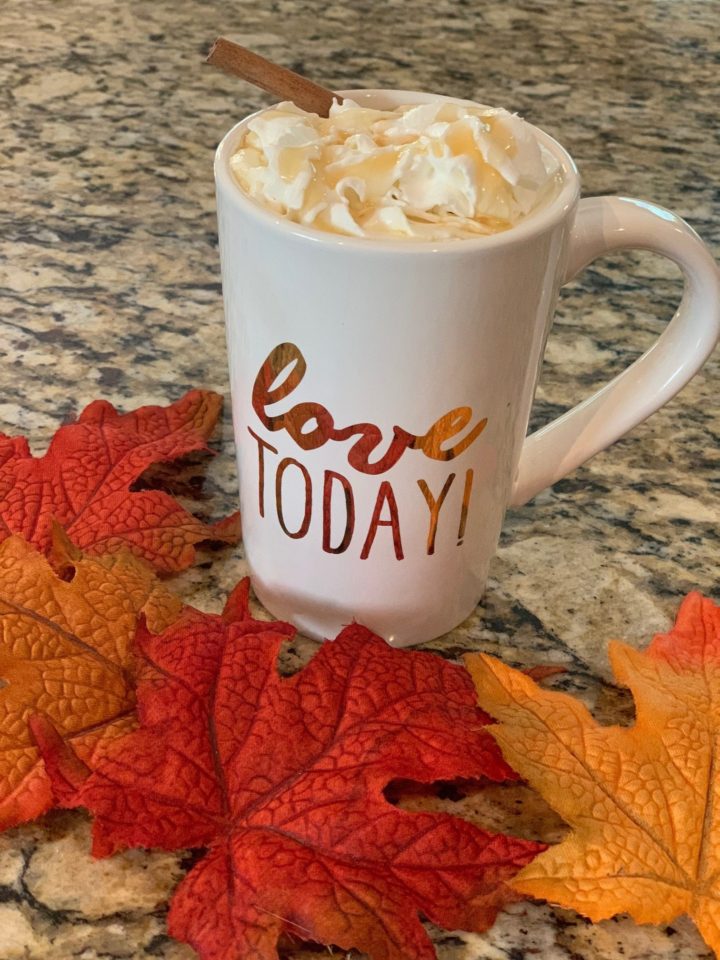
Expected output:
(109, 283)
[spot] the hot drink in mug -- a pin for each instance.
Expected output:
(390, 275)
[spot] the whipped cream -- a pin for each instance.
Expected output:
(429, 172)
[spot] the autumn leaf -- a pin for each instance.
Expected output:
(84, 479)
(642, 801)
(282, 779)
(65, 650)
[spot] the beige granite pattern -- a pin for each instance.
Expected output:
(109, 286)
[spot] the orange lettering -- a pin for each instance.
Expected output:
(434, 507)
(465, 505)
(330, 475)
(385, 495)
(262, 447)
(305, 525)
(443, 429)
(311, 425)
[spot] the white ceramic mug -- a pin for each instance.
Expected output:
(381, 393)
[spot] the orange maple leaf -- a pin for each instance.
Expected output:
(84, 481)
(66, 650)
(642, 801)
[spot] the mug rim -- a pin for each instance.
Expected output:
(536, 223)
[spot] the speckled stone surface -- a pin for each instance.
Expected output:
(109, 285)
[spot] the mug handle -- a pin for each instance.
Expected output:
(603, 224)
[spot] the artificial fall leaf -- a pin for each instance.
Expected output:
(65, 649)
(642, 801)
(282, 779)
(83, 482)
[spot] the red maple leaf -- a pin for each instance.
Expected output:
(83, 482)
(282, 780)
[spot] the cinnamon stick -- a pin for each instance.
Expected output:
(283, 83)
